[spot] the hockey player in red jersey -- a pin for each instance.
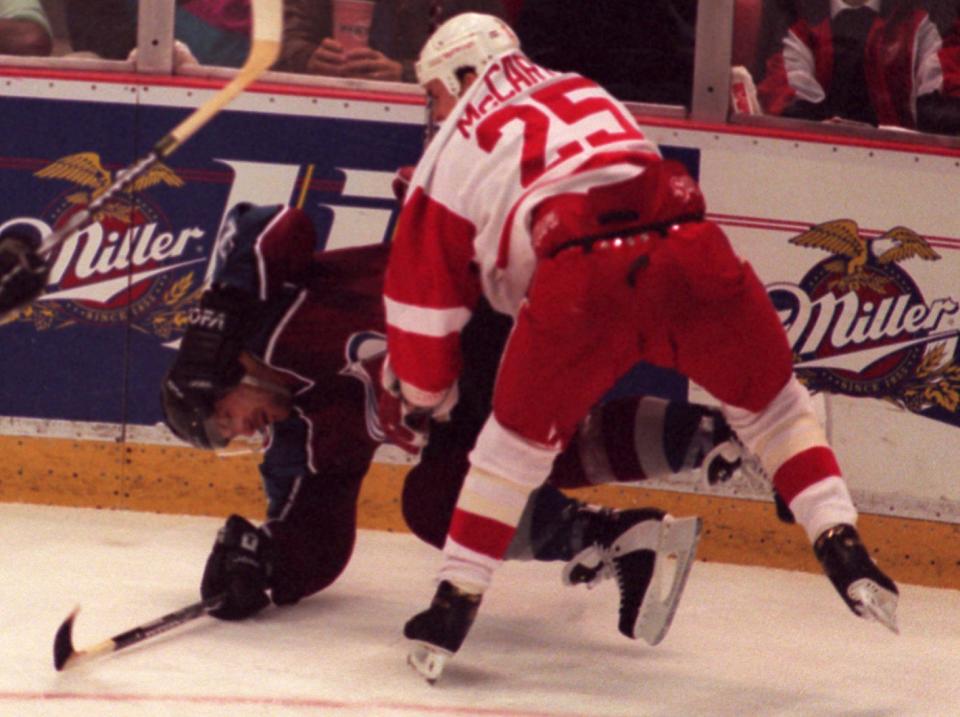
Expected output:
(540, 193)
(289, 343)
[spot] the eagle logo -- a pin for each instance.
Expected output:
(855, 253)
(86, 170)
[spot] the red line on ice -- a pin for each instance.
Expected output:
(292, 702)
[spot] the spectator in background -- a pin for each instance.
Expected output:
(87, 27)
(385, 50)
(879, 62)
(640, 51)
(217, 32)
(24, 28)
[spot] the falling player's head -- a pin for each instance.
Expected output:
(462, 46)
(211, 420)
(188, 414)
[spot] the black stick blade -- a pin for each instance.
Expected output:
(63, 641)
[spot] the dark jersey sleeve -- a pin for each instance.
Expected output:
(264, 250)
(316, 459)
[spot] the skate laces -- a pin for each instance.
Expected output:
(588, 567)
(732, 463)
(621, 536)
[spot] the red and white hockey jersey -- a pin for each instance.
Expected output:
(519, 135)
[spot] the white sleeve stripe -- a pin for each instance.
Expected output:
(261, 264)
(799, 64)
(436, 323)
(928, 70)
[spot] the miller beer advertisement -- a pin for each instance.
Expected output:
(95, 347)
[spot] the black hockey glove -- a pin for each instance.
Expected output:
(238, 568)
(23, 272)
(207, 362)
(864, 588)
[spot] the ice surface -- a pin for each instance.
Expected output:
(745, 641)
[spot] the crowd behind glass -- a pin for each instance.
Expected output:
(886, 63)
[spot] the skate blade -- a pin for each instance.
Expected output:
(429, 660)
(678, 540)
(875, 603)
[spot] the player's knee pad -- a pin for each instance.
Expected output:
(786, 427)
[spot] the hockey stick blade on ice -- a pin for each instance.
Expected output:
(264, 50)
(65, 655)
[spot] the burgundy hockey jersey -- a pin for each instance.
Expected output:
(323, 319)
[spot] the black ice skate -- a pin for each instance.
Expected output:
(440, 630)
(861, 584)
(638, 547)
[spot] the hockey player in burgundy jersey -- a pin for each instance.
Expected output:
(540, 193)
(289, 343)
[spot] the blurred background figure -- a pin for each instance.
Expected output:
(877, 62)
(364, 39)
(24, 28)
(638, 51)
(217, 32)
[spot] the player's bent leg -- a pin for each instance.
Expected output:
(313, 537)
(791, 445)
(504, 470)
(790, 442)
(430, 491)
(636, 438)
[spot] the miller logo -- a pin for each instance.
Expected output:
(859, 325)
(121, 266)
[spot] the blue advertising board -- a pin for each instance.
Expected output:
(94, 348)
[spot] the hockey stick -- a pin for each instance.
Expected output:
(64, 654)
(264, 50)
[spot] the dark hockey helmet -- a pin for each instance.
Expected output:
(188, 413)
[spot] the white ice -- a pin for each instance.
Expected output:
(745, 641)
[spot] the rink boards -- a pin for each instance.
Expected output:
(874, 325)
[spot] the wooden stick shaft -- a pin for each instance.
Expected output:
(264, 50)
(66, 656)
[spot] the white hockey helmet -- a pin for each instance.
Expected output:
(470, 39)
